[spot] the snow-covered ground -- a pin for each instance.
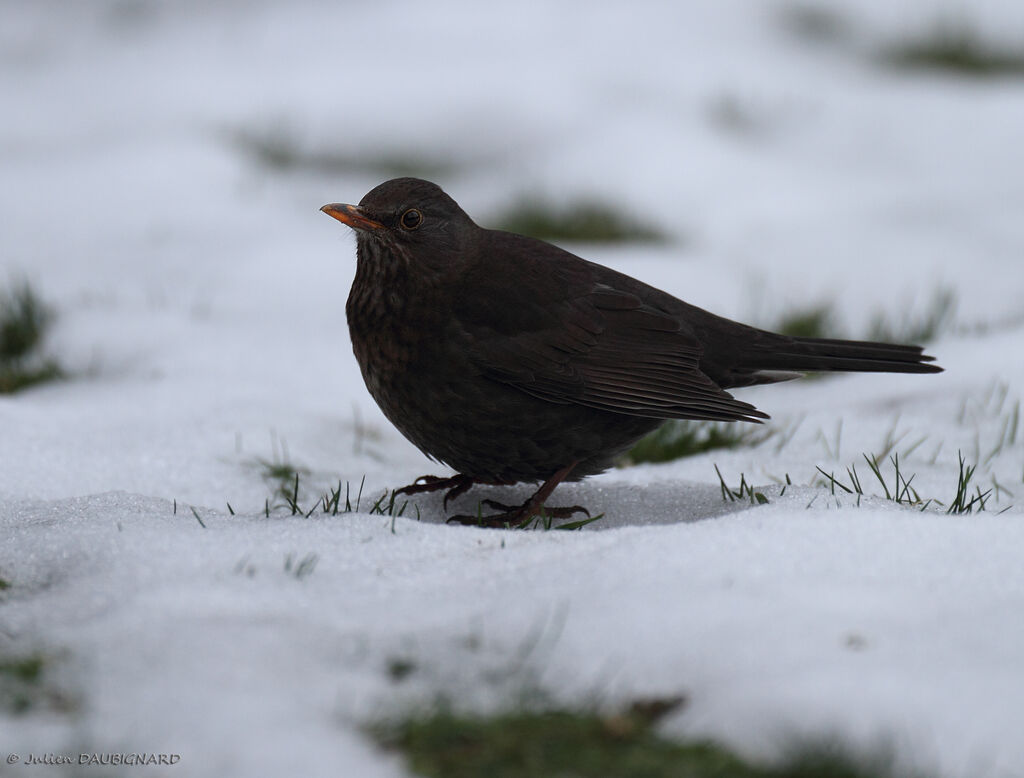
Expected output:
(201, 301)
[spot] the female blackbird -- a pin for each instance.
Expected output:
(509, 359)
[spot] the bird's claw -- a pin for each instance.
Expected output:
(516, 517)
(425, 483)
(456, 485)
(432, 483)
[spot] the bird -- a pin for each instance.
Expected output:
(511, 360)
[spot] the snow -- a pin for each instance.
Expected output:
(201, 300)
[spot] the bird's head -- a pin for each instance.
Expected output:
(411, 219)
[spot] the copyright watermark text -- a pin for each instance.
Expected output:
(116, 759)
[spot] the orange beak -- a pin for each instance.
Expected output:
(352, 215)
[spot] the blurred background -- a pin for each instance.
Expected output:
(163, 164)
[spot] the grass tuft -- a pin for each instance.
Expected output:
(24, 322)
(745, 491)
(678, 439)
(569, 526)
(342, 498)
(24, 686)
(20, 681)
(283, 477)
(968, 498)
(815, 24)
(902, 492)
(938, 317)
(994, 406)
(920, 326)
(963, 501)
(545, 521)
(817, 321)
(281, 151)
(575, 744)
(585, 221)
(28, 669)
(954, 47)
(300, 568)
(400, 668)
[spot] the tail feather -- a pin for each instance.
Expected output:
(841, 355)
(773, 358)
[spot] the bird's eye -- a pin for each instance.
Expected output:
(411, 219)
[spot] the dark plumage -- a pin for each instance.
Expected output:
(509, 359)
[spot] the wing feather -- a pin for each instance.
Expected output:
(603, 348)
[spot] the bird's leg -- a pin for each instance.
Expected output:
(456, 485)
(519, 515)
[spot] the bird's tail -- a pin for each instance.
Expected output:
(843, 355)
(771, 358)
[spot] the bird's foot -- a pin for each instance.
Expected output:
(518, 516)
(456, 485)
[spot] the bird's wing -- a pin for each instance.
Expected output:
(579, 340)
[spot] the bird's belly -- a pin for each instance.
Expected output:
(482, 427)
